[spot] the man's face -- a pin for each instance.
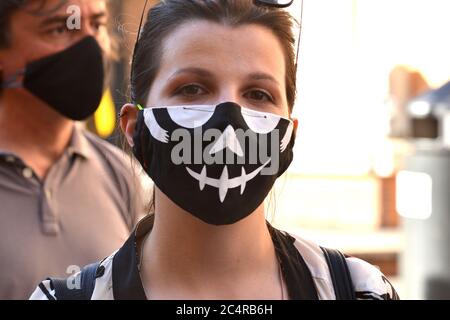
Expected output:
(36, 35)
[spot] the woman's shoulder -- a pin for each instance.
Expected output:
(369, 282)
(102, 289)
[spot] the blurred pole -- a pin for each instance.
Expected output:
(423, 198)
(425, 262)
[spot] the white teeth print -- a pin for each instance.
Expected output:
(243, 181)
(202, 179)
(224, 183)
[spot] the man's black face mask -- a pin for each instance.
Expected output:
(216, 162)
(71, 81)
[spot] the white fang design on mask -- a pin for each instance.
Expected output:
(224, 183)
(156, 131)
(287, 137)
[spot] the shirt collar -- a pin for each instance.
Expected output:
(127, 283)
(79, 144)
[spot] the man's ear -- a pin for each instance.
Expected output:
(1, 78)
(128, 119)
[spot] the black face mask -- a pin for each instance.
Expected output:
(216, 162)
(71, 81)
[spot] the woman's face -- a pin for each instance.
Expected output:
(208, 63)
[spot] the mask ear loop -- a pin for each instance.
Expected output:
(12, 81)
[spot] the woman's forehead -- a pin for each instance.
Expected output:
(247, 48)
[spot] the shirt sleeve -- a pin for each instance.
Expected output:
(369, 282)
(125, 174)
(44, 291)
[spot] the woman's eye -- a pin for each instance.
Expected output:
(259, 95)
(191, 90)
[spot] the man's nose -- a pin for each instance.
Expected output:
(87, 29)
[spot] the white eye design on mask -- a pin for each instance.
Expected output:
(260, 122)
(263, 123)
(155, 129)
(191, 116)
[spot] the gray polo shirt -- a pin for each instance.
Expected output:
(83, 211)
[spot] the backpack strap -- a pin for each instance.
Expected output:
(86, 279)
(340, 274)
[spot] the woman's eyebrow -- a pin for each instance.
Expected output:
(262, 76)
(193, 70)
(208, 74)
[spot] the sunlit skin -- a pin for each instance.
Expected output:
(185, 258)
(30, 128)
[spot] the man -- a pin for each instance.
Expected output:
(67, 198)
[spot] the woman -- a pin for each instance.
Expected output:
(217, 78)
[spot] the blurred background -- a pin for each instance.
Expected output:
(371, 174)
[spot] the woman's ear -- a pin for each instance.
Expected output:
(128, 119)
(295, 120)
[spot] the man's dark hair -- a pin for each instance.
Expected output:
(8, 7)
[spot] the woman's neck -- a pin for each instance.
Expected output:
(183, 249)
